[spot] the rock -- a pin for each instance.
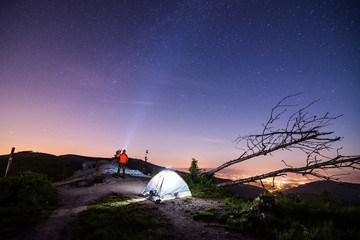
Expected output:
(88, 164)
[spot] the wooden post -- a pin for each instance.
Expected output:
(9, 162)
(146, 153)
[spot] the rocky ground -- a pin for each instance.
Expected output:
(75, 197)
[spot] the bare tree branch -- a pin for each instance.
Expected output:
(301, 132)
(318, 170)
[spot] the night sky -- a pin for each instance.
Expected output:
(182, 79)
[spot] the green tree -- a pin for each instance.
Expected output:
(194, 170)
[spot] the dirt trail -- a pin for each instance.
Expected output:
(184, 227)
(74, 200)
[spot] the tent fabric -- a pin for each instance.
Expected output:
(166, 185)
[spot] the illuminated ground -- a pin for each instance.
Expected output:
(75, 197)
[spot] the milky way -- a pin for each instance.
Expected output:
(180, 78)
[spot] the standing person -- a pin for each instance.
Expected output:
(117, 153)
(123, 159)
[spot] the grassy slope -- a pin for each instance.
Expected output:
(56, 168)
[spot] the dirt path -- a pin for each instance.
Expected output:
(184, 227)
(74, 200)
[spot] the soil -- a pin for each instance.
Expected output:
(76, 196)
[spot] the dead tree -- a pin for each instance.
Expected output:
(301, 131)
(318, 170)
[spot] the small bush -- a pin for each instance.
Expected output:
(26, 189)
(26, 199)
(202, 184)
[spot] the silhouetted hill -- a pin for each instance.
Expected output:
(53, 166)
(132, 164)
(81, 159)
(349, 192)
(59, 168)
(243, 190)
(143, 166)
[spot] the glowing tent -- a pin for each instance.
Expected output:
(166, 185)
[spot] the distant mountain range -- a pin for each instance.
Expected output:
(349, 192)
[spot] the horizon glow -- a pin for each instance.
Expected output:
(182, 80)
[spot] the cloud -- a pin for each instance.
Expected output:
(144, 103)
(140, 103)
(210, 140)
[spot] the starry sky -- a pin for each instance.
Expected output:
(182, 79)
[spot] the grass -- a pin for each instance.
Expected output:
(26, 208)
(286, 218)
(15, 220)
(26, 195)
(118, 217)
(276, 217)
(26, 199)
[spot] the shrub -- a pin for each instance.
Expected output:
(200, 183)
(26, 199)
(26, 189)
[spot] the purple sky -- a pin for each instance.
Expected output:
(180, 78)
